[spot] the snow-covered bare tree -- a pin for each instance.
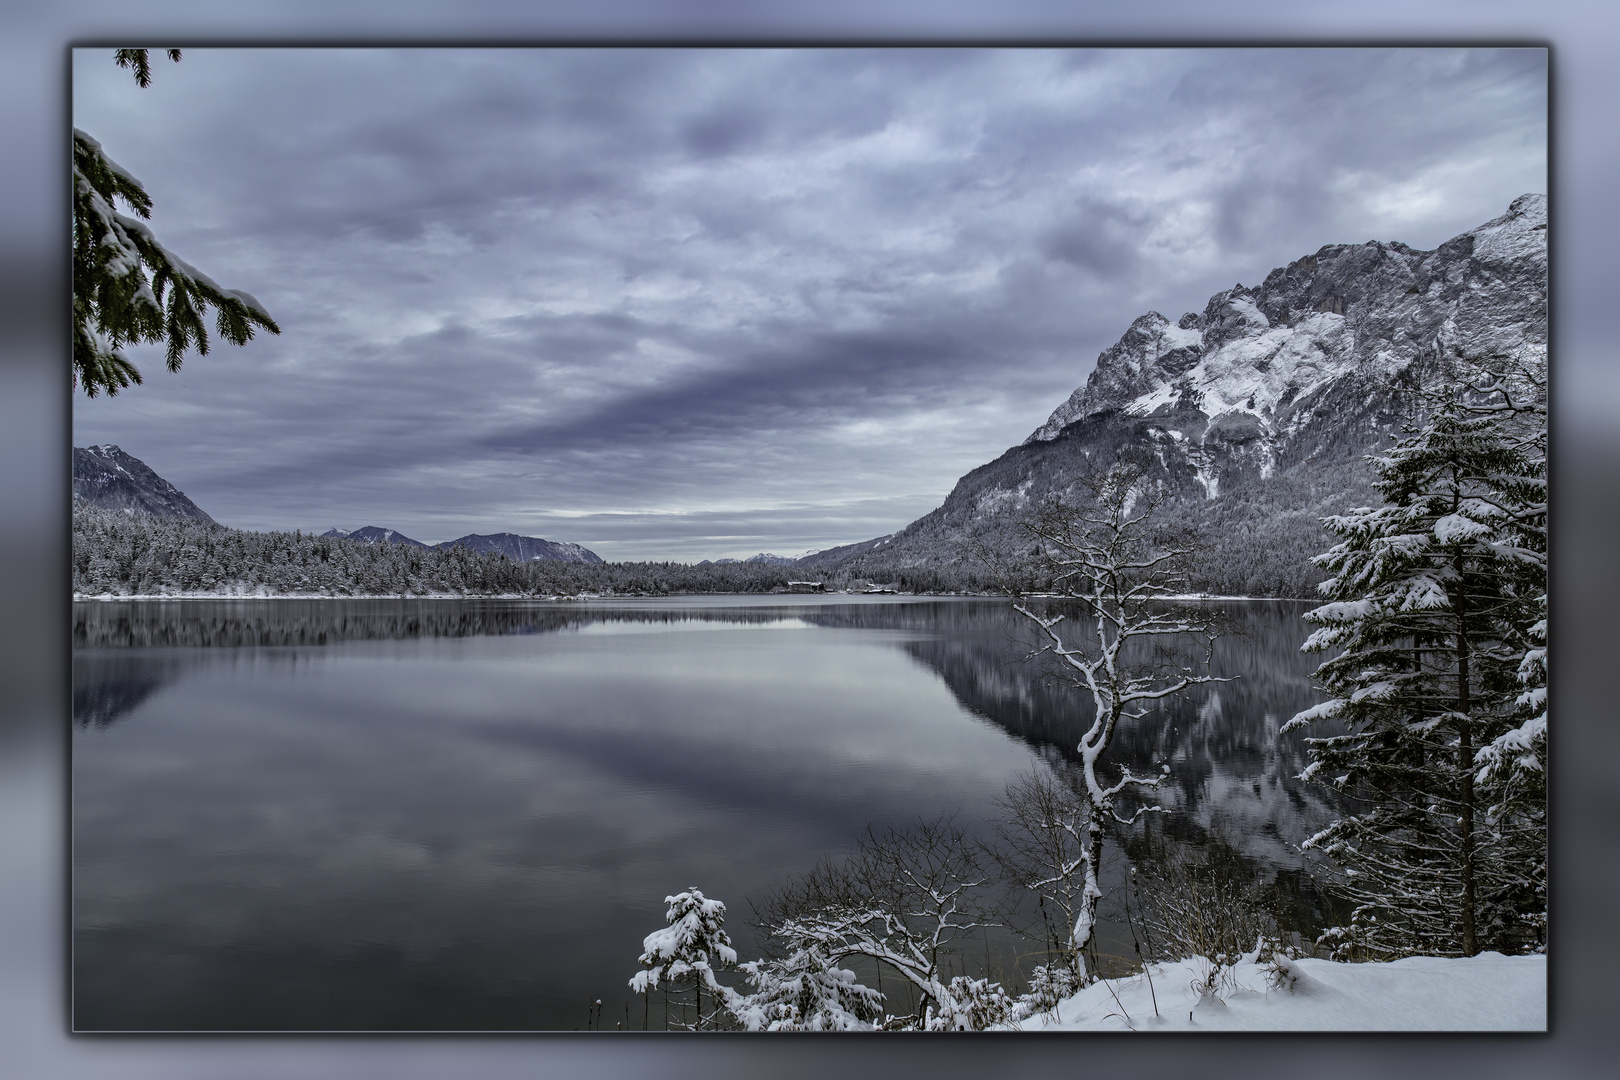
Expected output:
(1111, 555)
(908, 899)
(1204, 903)
(684, 955)
(1437, 614)
(1041, 849)
(127, 287)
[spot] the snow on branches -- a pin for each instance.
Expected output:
(1437, 609)
(905, 898)
(128, 288)
(1110, 554)
(686, 952)
(805, 991)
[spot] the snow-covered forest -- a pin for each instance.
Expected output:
(121, 554)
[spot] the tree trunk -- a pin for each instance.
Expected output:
(1465, 771)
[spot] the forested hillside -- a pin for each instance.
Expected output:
(137, 555)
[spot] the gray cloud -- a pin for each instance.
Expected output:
(700, 302)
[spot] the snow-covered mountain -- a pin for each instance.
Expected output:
(1261, 363)
(106, 477)
(372, 534)
(1260, 408)
(514, 547)
(523, 548)
(763, 557)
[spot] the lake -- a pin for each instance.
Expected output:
(465, 814)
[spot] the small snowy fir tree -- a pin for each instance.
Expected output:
(971, 1005)
(685, 954)
(805, 992)
(127, 287)
(1049, 984)
(1437, 598)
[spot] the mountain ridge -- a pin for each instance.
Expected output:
(1257, 411)
(514, 546)
(106, 477)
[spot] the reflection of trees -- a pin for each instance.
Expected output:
(238, 623)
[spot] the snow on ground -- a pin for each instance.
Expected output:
(1488, 992)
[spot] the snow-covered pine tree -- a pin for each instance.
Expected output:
(1512, 775)
(804, 991)
(1435, 599)
(127, 287)
(685, 954)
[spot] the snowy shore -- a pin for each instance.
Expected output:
(1488, 992)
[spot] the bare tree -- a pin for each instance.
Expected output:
(1041, 849)
(1113, 557)
(906, 899)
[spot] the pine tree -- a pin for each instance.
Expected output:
(686, 953)
(127, 287)
(1435, 600)
(805, 991)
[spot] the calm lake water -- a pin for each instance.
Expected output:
(464, 815)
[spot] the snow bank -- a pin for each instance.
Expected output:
(1488, 992)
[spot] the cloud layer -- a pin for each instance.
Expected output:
(680, 303)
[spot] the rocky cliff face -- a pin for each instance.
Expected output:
(1262, 364)
(1259, 409)
(107, 478)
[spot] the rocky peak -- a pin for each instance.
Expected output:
(1371, 309)
(106, 477)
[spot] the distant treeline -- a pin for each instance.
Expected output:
(125, 554)
(135, 555)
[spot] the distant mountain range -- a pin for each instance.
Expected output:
(514, 547)
(763, 557)
(107, 478)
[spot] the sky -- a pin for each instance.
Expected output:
(701, 303)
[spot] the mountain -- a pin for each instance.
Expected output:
(371, 534)
(1258, 410)
(834, 556)
(106, 477)
(523, 548)
(514, 547)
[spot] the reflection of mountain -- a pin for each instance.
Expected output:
(1231, 773)
(106, 688)
(1229, 768)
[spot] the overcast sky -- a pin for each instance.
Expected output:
(690, 304)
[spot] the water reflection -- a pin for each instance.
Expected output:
(463, 814)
